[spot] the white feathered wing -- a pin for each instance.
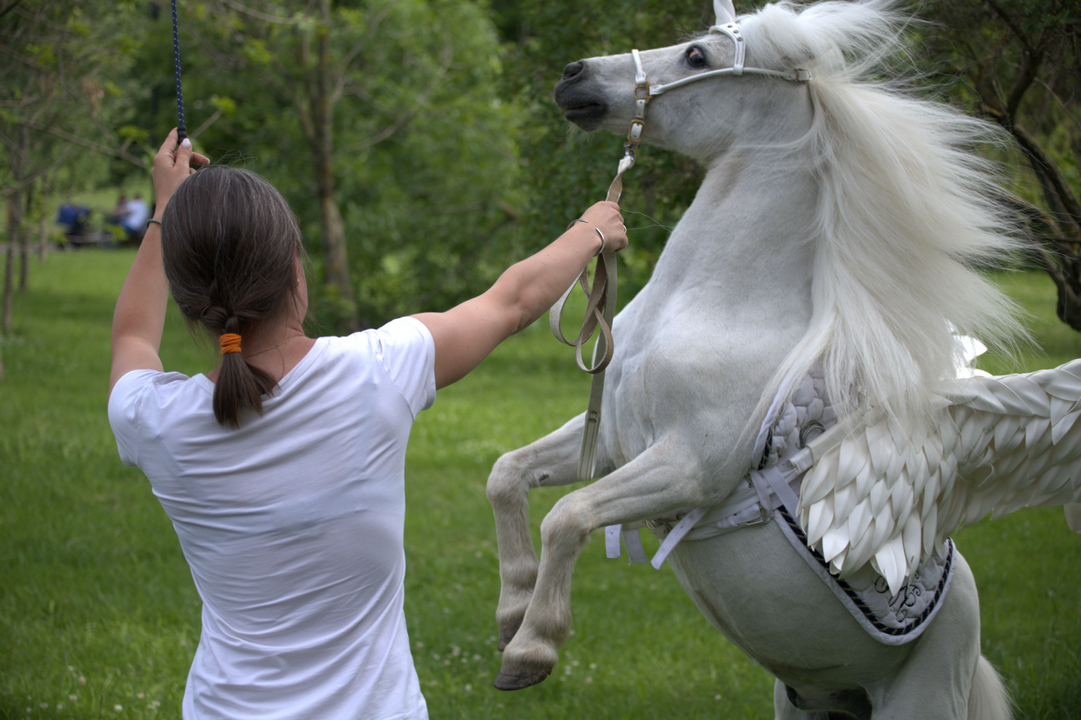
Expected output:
(876, 494)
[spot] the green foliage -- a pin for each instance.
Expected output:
(425, 163)
(66, 75)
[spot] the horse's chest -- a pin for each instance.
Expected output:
(679, 382)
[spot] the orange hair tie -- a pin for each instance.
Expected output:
(230, 343)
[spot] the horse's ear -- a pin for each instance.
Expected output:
(725, 11)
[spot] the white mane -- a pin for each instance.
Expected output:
(908, 214)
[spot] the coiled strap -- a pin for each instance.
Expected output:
(600, 311)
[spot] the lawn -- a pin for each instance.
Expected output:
(99, 618)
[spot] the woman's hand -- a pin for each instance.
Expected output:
(172, 165)
(605, 216)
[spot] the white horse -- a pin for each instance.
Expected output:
(820, 276)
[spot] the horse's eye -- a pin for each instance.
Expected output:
(695, 57)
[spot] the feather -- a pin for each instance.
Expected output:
(1060, 408)
(883, 530)
(912, 540)
(844, 501)
(1065, 424)
(1020, 395)
(859, 520)
(859, 552)
(930, 523)
(879, 495)
(834, 543)
(851, 461)
(821, 480)
(1034, 431)
(819, 520)
(879, 449)
(1007, 437)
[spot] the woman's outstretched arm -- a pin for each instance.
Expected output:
(466, 334)
(139, 316)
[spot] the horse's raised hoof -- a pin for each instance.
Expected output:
(520, 678)
(507, 633)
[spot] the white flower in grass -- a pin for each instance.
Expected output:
(468, 687)
(73, 698)
(118, 708)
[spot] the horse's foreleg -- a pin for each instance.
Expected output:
(552, 460)
(656, 482)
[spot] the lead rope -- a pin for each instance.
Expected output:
(181, 131)
(601, 305)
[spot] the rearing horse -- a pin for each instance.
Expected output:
(818, 282)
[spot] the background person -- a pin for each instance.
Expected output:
(134, 219)
(282, 470)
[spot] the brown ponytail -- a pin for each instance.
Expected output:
(229, 241)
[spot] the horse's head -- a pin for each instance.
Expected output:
(713, 93)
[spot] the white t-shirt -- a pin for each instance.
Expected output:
(293, 526)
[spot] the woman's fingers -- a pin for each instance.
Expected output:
(172, 165)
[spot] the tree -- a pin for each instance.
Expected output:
(1019, 64)
(368, 116)
(58, 94)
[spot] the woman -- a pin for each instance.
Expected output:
(283, 469)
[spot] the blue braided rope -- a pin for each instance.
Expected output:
(182, 132)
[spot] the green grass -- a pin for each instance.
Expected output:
(96, 603)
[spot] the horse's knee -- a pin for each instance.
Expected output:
(505, 483)
(565, 525)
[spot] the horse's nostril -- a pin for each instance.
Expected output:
(573, 70)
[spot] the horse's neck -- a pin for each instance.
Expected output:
(746, 238)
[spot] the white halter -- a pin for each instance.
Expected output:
(644, 91)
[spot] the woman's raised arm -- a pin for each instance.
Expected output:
(467, 333)
(139, 316)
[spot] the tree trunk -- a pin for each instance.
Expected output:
(9, 264)
(319, 129)
(24, 242)
(43, 236)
